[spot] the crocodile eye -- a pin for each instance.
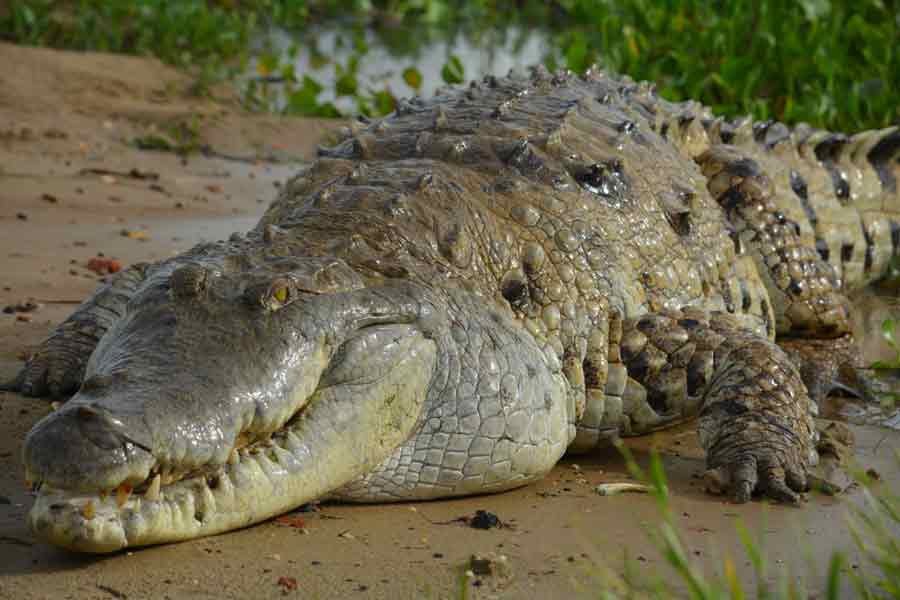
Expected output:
(271, 296)
(280, 293)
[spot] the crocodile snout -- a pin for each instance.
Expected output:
(83, 447)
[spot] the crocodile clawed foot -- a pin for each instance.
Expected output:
(55, 370)
(749, 476)
(756, 424)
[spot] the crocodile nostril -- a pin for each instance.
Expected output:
(96, 383)
(100, 382)
(102, 429)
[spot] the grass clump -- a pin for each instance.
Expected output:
(189, 33)
(875, 528)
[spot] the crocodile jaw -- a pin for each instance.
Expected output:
(256, 488)
(346, 430)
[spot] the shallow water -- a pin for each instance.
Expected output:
(323, 52)
(870, 308)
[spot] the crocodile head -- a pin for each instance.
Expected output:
(223, 398)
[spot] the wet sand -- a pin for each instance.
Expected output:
(62, 113)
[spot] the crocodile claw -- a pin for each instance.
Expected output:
(748, 477)
(55, 370)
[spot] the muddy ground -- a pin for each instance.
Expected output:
(73, 186)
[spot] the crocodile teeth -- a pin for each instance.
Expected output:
(123, 492)
(153, 491)
(233, 457)
(88, 511)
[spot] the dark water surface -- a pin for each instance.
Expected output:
(871, 308)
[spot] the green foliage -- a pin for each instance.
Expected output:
(303, 101)
(453, 72)
(412, 77)
(833, 63)
(875, 529)
(185, 33)
(181, 137)
(889, 399)
(889, 334)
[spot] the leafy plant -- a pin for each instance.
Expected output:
(181, 137)
(413, 78)
(184, 33)
(453, 71)
(889, 399)
(889, 335)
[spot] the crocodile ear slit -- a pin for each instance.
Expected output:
(189, 280)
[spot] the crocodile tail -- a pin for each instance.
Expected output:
(842, 191)
(848, 187)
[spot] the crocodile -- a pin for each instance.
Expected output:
(452, 297)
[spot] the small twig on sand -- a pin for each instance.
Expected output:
(112, 591)
(63, 301)
(612, 489)
(132, 174)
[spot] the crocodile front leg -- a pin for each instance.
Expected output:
(755, 414)
(57, 367)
